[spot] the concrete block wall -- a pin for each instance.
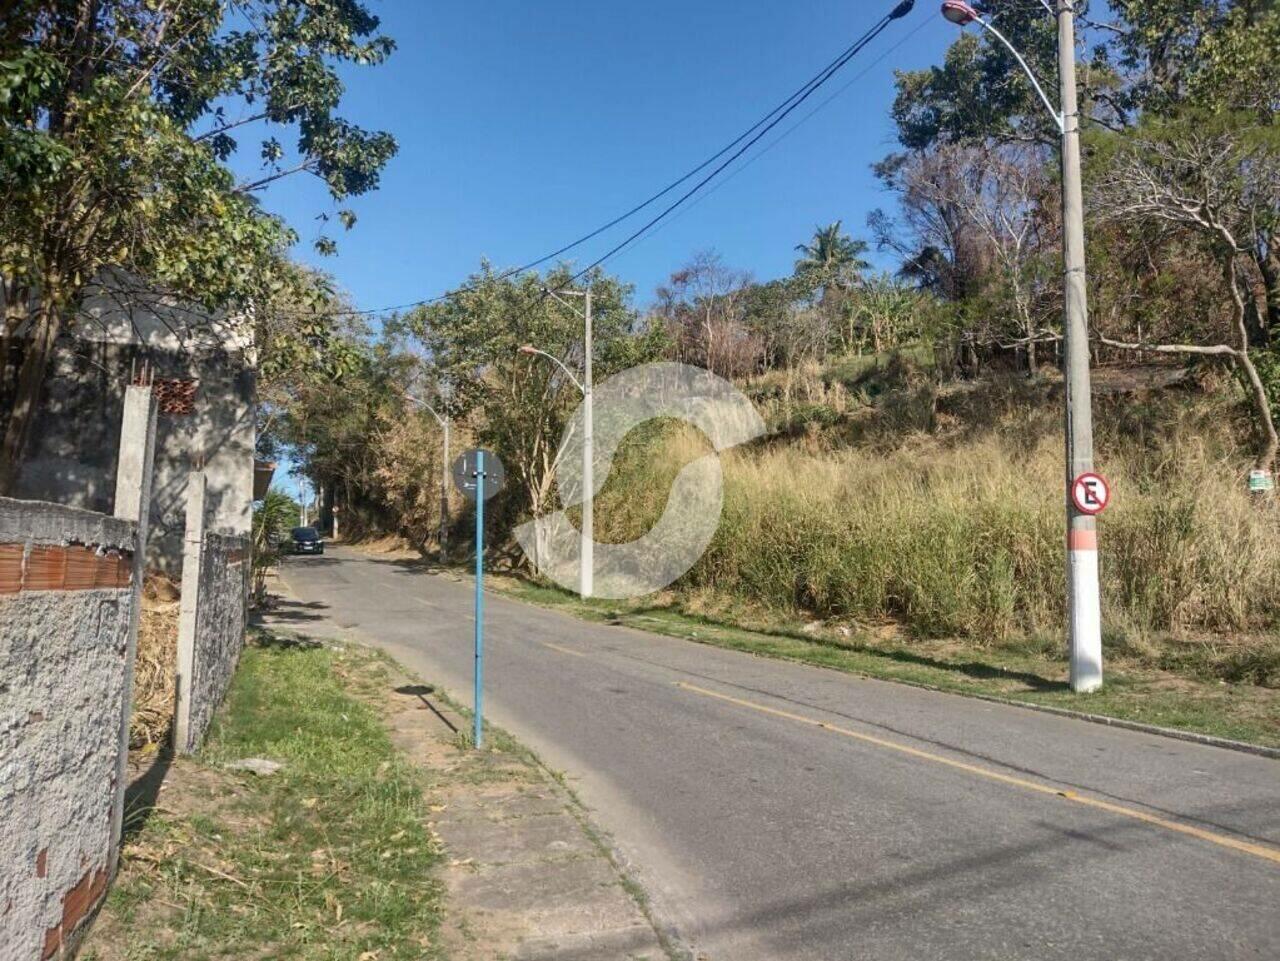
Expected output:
(66, 599)
(72, 457)
(218, 636)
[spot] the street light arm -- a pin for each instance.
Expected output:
(422, 403)
(573, 293)
(529, 349)
(1057, 117)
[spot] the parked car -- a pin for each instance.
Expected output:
(306, 540)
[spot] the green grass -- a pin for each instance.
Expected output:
(328, 859)
(1029, 670)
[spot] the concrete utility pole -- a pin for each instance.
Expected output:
(588, 549)
(586, 534)
(134, 474)
(444, 474)
(189, 607)
(444, 496)
(1084, 607)
(1085, 614)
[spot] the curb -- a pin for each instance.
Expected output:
(1208, 740)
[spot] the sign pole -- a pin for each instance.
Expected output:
(479, 474)
(479, 668)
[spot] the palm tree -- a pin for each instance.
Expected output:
(832, 258)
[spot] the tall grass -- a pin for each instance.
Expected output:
(962, 534)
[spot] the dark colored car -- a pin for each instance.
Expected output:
(306, 540)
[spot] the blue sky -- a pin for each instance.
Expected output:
(523, 125)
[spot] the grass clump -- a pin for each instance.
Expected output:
(957, 531)
(330, 858)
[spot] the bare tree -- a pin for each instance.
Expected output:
(1225, 190)
(986, 203)
(703, 305)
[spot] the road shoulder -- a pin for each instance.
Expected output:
(363, 826)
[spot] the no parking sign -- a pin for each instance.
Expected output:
(1090, 493)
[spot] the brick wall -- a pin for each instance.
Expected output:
(65, 606)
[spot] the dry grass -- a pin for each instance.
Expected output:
(950, 523)
(153, 678)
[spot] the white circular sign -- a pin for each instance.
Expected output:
(1090, 493)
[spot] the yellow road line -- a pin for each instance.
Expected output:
(562, 650)
(1266, 852)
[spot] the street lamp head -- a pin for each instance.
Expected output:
(528, 349)
(959, 12)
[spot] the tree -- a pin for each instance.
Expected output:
(1218, 180)
(832, 259)
(272, 520)
(1219, 54)
(517, 404)
(885, 315)
(702, 307)
(941, 250)
(116, 119)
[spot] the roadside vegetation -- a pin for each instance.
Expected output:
(945, 518)
(330, 857)
(907, 503)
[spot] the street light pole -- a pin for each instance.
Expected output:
(444, 475)
(586, 533)
(588, 547)
(1083, 596)
(1084, 607)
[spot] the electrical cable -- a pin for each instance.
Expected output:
(752, 135)
(857, 48)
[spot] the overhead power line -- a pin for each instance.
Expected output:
(900, 10)
(751, 136)
(776, 141)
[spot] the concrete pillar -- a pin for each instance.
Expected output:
(135, 467)
(188, 611)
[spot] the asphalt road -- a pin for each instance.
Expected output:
(775, 811)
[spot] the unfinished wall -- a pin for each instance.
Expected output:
(71, 457)
(219, 627)
(65, 606)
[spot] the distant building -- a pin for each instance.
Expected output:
(203, 367)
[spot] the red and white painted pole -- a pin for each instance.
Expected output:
(1083, 596)
(1087, 493)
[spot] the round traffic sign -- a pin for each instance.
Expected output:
(466, 473)
(1090, 493)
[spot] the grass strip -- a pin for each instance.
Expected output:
(1020, 671)
(330, 858)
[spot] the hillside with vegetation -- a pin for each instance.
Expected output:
(909, 490)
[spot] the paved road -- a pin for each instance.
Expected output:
(775, 811)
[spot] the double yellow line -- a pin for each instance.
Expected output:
(1266, 852)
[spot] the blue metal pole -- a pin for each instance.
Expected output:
(479, 694)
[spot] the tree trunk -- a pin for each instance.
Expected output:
(17, 308)
(1269, 442)
(1269, 267)
(35, 364)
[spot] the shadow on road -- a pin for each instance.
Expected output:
(287, 611)
(974, 669)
